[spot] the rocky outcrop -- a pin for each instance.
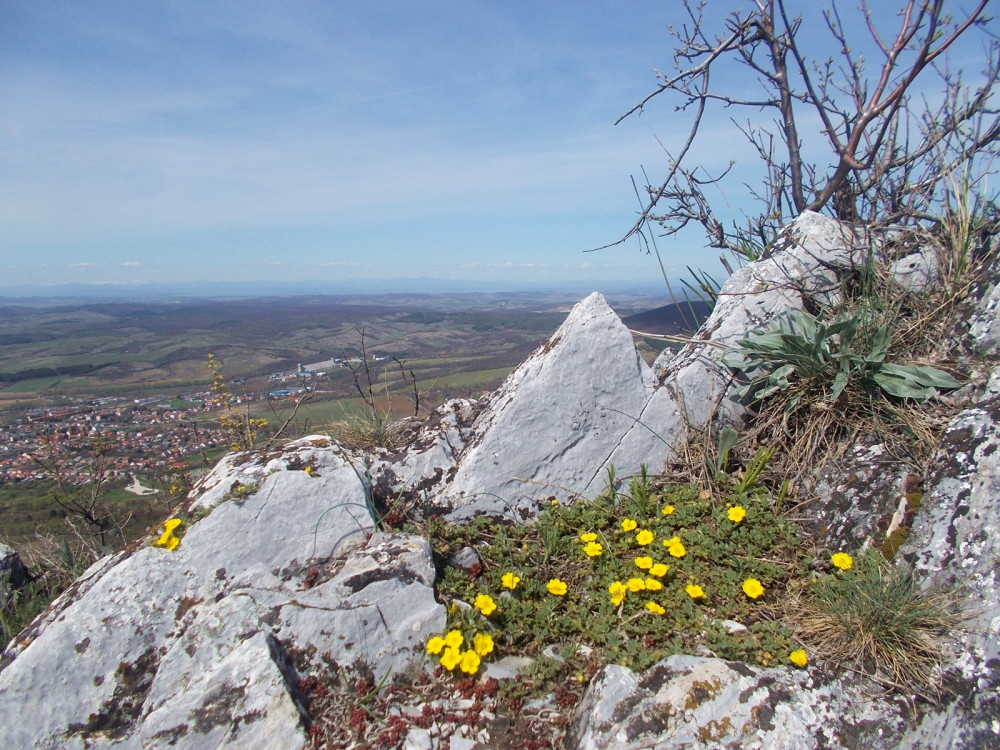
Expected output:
(954, 545)
(691, 702)
(586, 401)
(280, 576)
(153, 645)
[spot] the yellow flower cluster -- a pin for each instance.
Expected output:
(452, 655)
(167, 538)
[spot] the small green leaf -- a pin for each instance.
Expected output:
(840, 381)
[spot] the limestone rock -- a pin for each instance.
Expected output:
(954, 545)
(693, 702)
(860, 499)
(557, 421)
(158, 644)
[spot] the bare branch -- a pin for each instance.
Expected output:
(882, 155)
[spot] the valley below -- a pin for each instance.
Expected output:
(114, 392)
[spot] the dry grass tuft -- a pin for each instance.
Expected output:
(367, 429)
(874, 620)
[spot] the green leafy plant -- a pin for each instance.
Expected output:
(811, 356)
(626, 578)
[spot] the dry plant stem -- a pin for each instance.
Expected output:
(282, 431)
(85, 503)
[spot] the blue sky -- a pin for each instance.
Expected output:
(173, 141)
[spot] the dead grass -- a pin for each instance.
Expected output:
(875, 621)
(368, 428)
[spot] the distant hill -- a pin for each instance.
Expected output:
(670, 320)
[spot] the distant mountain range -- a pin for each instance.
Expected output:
(670, 320)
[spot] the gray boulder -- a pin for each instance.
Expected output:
(695, 702)
(154, 645)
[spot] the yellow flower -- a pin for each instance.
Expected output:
(644, 563)
(482, 644)
(454, 639)
(667, 510)
(659, 570)
(171, 524)
(798, 658)
(695, 592)
(737, 513)
(588, 537)
(309, 470)
(675, 548)
(636, 584)
(470, 662)
(451, 658)
(556, 587)
(593, 549)
(655, 608)
(510, 581)
(653, 585)
(842, 560)
(628, 524)
(752, 588)
(644, 537)
(618, 591)
(485, 604)
(167, 538)
(435, 645)
(554, 502)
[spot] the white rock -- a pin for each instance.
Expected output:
(553, 425)
(149, 629)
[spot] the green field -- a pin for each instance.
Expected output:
(152, 348)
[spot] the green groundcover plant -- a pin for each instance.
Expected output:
(635, 577)
(624, 579)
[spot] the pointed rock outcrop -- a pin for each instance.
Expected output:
(554, 425)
